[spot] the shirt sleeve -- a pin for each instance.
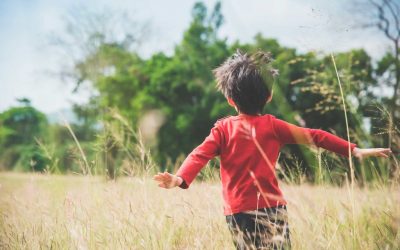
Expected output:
(291, 134)
(199, 157)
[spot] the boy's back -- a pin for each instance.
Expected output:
(248, 146)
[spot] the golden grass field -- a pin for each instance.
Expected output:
(77, 212)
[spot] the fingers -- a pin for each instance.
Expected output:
(158, 177)
(380, 154)
(164, 175)
(383, 152)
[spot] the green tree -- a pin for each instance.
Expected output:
(20, 126)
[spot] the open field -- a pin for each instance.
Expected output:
(74, 212)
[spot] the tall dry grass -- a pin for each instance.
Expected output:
(83, 212)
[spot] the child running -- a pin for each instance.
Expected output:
(248, 146)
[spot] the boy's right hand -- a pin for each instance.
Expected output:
(167, 180)
(367, 152)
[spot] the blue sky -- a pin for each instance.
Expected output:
(25, 61)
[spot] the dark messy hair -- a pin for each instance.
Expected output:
(247, 80)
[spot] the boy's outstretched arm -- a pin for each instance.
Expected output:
(193, 163)
(292, 134)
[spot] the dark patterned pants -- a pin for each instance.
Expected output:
(266, 228)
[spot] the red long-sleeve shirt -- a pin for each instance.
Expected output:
(248, 147)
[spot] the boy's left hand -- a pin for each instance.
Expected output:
(367, 152)
(167, 180)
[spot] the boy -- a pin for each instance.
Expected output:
(248, 145)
